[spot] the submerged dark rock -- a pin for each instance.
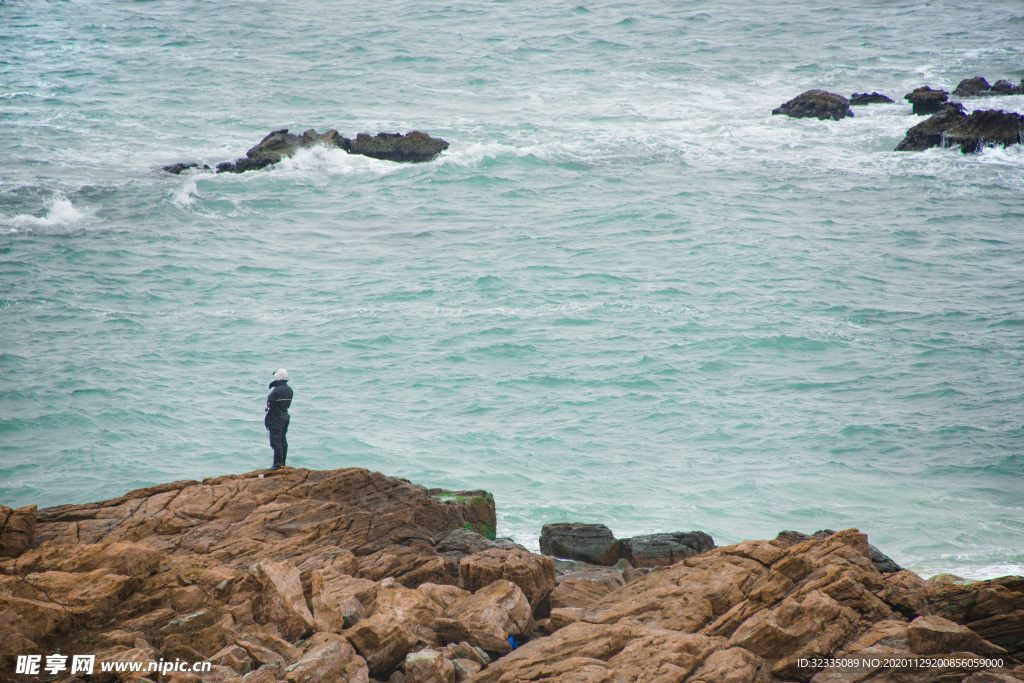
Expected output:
(280, 144)
(929, 132)
(861, 98)
(972, 87)
(818, 104)
(926, 100)
(177, 169)
(987, 128)
(414, 146)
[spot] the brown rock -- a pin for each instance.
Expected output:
(402, 619)
(563, 616)
(330, 613)
(328, 658)
(235, 658)
(465, 669)
(428, 666)
(933, 635)
(282, 601)
(583, 589)
(734, 665)
(534, 574)
(488, 617)
(17, 529)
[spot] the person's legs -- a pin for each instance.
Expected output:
(284, 443)
(276, 437)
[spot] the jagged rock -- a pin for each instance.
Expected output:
(332, 613)
(880, 560)
(991, 128)
(655, 550)
(465, 669)
(17, 529)
(583, 589)
(414, 146)
(929, 132)
(972, 87)
(592, 543)
(282, 601)
(402, 618)
(328, 658)
(487, 618)
(818, 104)
(428, 666)
(933, 635)
(926, 101)
(534, 574)
(860, 99)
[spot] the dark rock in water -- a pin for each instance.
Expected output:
(176, 169)
(929, 132)
(882, 562)
(972, 87)
(988, 128)
(593, 543)
(242, 165)
(1004, 87)
(926, 100)
(858, 98)
(817, 104)
(414, 146)
(280, 144)
(655, 550)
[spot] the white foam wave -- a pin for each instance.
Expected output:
(60, 212)
(185, 196)
(320, 160)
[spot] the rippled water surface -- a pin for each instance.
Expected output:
(625, 294)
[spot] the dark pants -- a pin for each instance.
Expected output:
(279, 443)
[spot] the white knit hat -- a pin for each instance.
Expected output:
(281, 374)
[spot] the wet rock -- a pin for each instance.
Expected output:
(929, 132)
(17, 529)
(592, 543)
(818, 104)
(655, 550)
(972, 87)
(414, 146)
(860, 99)
(177, 169)
(926, 101)
(991, 128)
(1004, 87)
(933, 635)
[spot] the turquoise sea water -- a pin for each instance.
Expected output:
(625, 294)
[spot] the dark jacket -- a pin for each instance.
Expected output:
(278, 402)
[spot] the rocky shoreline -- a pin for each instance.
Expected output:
(350, 575)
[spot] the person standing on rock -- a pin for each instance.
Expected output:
(276, 419)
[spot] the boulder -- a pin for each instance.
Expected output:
(328, 658)
(414, 146)
(583, 589)
(17, 529)
(929, 132)
(655, 550)
(177, 169)
(991, 128)
(859, 99)
(1004, 87)
(973, 87)
(428, 666)
(933, 635)
(818, 104)
(592, 543)
(926, 101)
(282, 601)
(487, 618)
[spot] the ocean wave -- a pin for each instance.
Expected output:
(60, 212)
